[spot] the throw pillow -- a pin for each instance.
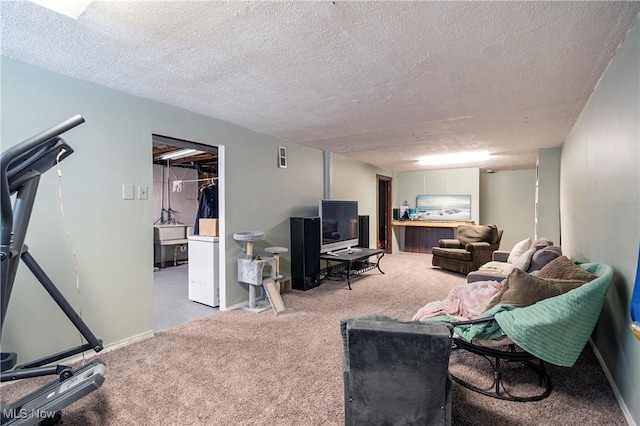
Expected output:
(523, 289)
(563, 268)
(526, 289)
(542, 257)
(524, 261)
(542, 243)
(518, 250)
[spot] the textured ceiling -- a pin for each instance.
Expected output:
(380, 82)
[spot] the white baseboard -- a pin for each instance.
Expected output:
(623, 405)
(109, 348)
(128, 341)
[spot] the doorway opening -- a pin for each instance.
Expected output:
(383, 228)
(183, 171)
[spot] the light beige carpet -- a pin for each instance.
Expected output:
(240, 368)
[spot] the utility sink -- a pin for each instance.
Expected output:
(249, 236)
(170, 232)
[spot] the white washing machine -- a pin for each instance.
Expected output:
(203, 270)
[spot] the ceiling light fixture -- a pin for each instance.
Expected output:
(461, 157)
(181, 153)
(71, 8)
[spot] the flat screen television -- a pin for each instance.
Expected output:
(339, 225)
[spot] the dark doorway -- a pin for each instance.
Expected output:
(383, 226)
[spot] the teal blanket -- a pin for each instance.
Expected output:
(554, 329)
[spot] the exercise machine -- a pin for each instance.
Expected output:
(20, 169)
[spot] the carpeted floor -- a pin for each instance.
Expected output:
(240, 368)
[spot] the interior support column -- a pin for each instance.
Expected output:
(327, 175)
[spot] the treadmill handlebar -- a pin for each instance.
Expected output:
(15, 152)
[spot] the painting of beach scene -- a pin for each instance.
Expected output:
(444, 207)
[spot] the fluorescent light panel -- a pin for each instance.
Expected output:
(461, 157)
(71, 8)
(181, 153)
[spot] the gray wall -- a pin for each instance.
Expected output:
(600, 207)
(408, 185)
(352, 180)
(112, 237)
(507, 199)
(548, 195)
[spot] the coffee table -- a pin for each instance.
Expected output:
(354, 262)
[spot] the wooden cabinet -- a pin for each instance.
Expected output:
(421, 236)
(421, 240)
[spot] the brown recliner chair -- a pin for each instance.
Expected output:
(472, 249)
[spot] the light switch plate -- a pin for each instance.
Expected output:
(127, 192)
(143, 192)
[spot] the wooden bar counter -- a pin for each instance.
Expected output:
(421, 235)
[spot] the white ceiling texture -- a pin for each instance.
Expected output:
(384, 82)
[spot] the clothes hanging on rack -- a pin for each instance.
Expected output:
(177, 184)
(207, 206)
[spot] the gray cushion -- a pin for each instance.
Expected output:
(456, 254)
(541, 257)
(396, 372)
(542, 243)
(524, 261)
